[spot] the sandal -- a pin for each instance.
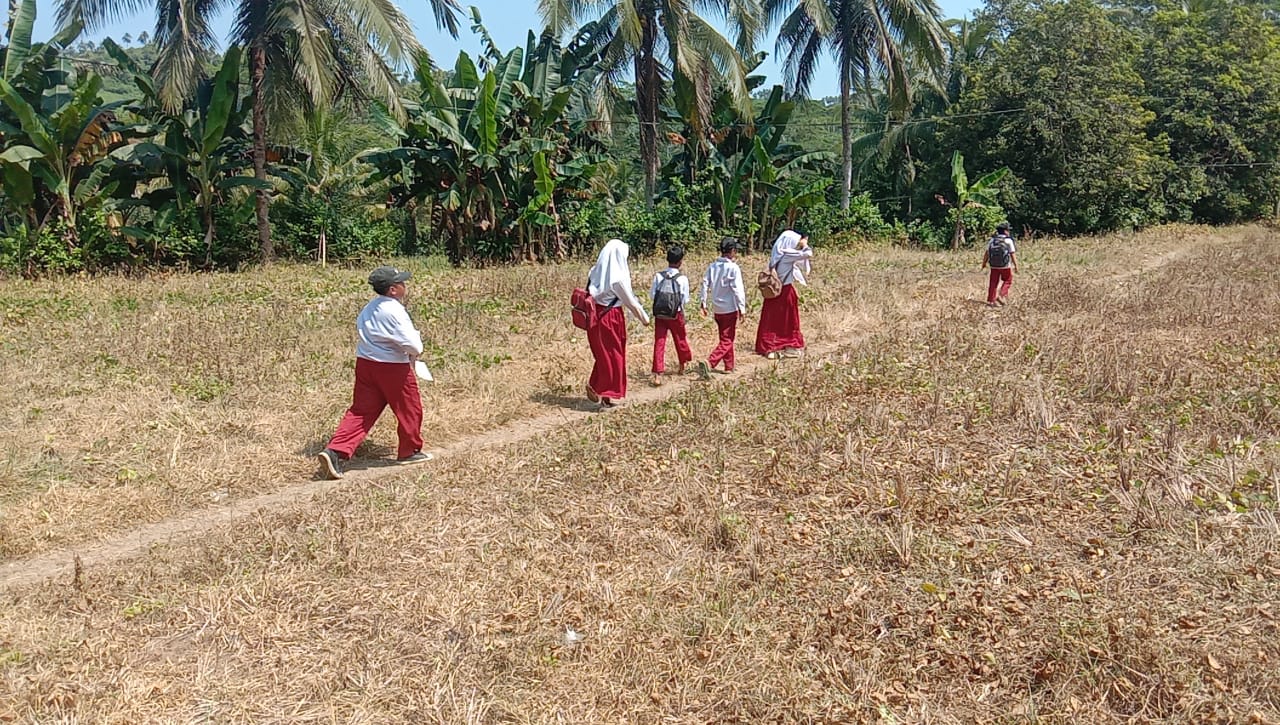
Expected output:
(591, 395)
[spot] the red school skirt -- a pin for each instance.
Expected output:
(779, 326)
(608, 340)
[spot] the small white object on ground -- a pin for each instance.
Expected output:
(423, 372)
(571, 637)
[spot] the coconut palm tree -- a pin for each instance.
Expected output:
(869, 39)
(317, 48)
(666, 42)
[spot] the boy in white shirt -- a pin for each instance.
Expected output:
(387, 349)
(722, 286)
(1001, 256)
(670, 293)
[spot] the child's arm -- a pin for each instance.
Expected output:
(739, 292)
(985, 254)
(629, 301)
(798, 252)
(684, 291)
(1013, 259)
(653, 288)
(702, 293)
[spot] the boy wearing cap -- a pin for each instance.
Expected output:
(722, 287)
(1001, 257)
(387, 348)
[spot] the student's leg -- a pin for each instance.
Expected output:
(367, 403)
(660, 327)
(680, 333)
(400, 387)
(730, 340)
(991, 286)
(724, 348)
(1006, 282)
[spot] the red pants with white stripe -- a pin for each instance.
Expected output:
(677, 329)
(727, 325)
(997, 277)
(378, 385)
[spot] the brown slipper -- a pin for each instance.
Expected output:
(591, 395)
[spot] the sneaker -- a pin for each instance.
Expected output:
(792, 352)
(331, 464)
(418, 457)
(772, 356)
(704, 371)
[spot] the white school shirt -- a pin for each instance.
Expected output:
(386, 332)
(791, 265)
(682, 284)
(722, 284)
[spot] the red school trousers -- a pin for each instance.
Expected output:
(676, 327)
(608, 340)
(998, 276)
(378, 385)
(727, 326)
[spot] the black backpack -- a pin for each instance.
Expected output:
(997, 252)
(668, 302)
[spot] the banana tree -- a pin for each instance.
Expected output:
(197, 155)
(59, 145)
(753, 173)
(53, 128)
(980, 194)
(491, 153)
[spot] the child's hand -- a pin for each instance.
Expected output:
(704, 312)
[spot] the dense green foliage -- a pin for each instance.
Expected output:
(1061, 116)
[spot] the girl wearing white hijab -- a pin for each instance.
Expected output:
(609, 284)
(778, 333)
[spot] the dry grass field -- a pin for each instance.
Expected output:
(1059, 511)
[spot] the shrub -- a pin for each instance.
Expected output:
(679, 216)
(979, 222)
(828, 224)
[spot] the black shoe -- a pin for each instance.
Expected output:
(417, 457)
(331, 464)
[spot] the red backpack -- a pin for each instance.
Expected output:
(582, 308)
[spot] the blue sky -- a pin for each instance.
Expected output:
(508, 21)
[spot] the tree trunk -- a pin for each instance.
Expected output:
(411, 207)
(206, 216)
(846, 135)
(648, 88)
(258, 69)
(324, 248)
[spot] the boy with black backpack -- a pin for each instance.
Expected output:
(670, 293)
(1000, 256)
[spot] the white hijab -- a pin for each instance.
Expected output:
(790, 267)
(611, 271)
(610, 279)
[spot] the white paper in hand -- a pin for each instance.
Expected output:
(420, 368)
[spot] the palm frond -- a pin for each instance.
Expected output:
(97, 14)
(185, 35)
